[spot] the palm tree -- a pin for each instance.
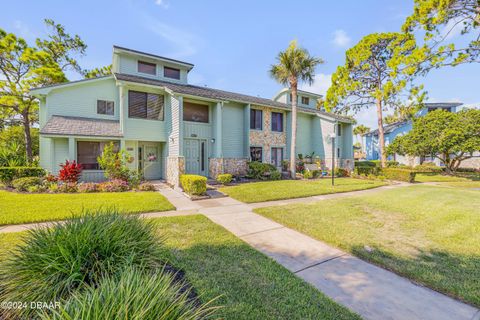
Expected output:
(294, 64)
(360, 130)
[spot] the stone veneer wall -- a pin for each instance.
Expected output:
(266, 138)
(234, 166)
(175, 168)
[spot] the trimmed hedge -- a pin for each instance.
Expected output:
(367, 170)
(428, 167)
(262, 171)
(399, 174)
(7, 174)
(193, 184)
(224, 178)
(376, 163)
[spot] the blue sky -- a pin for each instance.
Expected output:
(233, 43)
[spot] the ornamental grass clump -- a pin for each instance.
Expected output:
(54, 263)
(134, 294)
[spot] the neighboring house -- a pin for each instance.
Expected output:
(170, 127)
(372, 148)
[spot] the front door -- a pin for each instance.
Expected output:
(195, 156)
(192, 156)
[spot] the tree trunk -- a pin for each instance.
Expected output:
(293, 142)
(28, 137)
(381, 134)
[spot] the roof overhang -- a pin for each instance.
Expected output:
(43, 91)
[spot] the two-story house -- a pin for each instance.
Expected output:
(170, 127)
(371, 142)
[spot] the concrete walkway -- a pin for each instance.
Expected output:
(368, 290)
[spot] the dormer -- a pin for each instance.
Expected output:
(129, 61)
(305, 99)
(447, 106)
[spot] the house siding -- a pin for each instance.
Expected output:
(233, 130)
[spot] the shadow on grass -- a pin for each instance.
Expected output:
(250, 285)
(456, 275)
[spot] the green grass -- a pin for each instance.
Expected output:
(288, 189)
(466, 180)
(429, 234)
(18, 208)
(248, 284)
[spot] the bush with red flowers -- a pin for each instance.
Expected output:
(70, 172)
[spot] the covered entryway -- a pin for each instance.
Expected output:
(195, 151)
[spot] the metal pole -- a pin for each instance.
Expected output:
(333, 161)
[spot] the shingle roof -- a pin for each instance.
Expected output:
(388, 128)
(217, 94)
(78, 126)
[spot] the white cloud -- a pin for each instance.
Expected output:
(162, 3)
(320, 85)
(341, 39)
(185, 43)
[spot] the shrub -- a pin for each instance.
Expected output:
(3, 186)
(365, 164)
(260, 171)
(316, 174)
(300, 166)
(22, 184)
(193, 184)
(133, 294)
(114, 163)
(53, 188)
(68, 187)
(367, 170)
(7, 174)
(87, 187)
(70, 171)
(224, 178)
(427, 167)
(341, 172)
(391, 164)
(37, 189)
(307, 174)
(275, 175)
(399, 174)
(55, 262)
(146, 186)
(115, 185)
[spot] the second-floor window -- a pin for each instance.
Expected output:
(145, 105)
(339, 129)
(105, 107)
(171, 73)
(255, 119)
(147, 67)
(277, 121)
(195, 112)
(306, 100)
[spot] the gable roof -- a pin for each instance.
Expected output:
(79, 126)
(216, 94)
(306, 93)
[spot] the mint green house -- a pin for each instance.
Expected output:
(170, 127)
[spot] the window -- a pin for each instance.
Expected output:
(255, 119)
(89, 151)
(105, 107)
(338, 153)
(306, 100)
(277, 121)
(195, 112)
(147, 67)
(339, 130)
(171, 73)
(256, 154)
(277, 157)
(145, 105)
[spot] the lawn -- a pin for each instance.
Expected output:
(248, 284)
(18, 208)
(287, 189)
(464, 181)
(426, 233)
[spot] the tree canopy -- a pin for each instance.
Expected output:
(450, 137)
(23, 67)
(451, 31)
